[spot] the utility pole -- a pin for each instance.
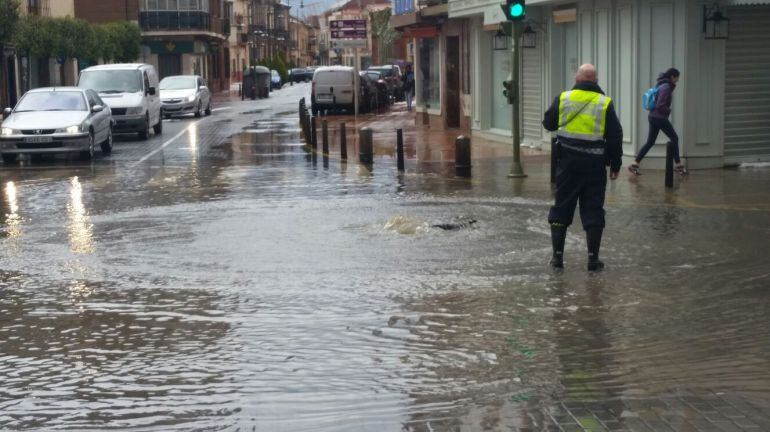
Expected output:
(517, 171)
(515, 11)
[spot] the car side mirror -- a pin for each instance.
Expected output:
(6, 112)
(151, 91)
(97, 108)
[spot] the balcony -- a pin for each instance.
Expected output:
(174, 21)
(226, 30)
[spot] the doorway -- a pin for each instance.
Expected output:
(169, 65)
(453, 82)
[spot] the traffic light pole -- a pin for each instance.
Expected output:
(516, 169)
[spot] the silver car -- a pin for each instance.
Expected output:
(56, 120)
(184, 94)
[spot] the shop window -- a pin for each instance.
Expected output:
(429, 74)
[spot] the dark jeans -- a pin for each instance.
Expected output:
(579, 178)
(657, 125)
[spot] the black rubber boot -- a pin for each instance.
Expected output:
(558, 236)
(594, 240)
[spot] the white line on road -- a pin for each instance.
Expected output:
(221, 108)
(152, 153)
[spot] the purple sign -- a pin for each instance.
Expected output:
(357, 24)
(348, 34)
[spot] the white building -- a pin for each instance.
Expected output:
(720, 107)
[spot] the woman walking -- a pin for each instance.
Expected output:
(658, 119)
(408, 86)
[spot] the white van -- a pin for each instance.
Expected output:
(332, 88)
(132, 93)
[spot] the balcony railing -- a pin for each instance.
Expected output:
(226, 27)
(174, 21)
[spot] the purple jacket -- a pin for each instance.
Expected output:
(663, 103)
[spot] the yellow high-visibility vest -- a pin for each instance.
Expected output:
(583, 115)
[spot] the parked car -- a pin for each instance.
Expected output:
(185, 94)
(383, 89)
(298, 75)
(131, 91)
(56, 120)
(332, 88)
(392, 75)
(275, 80)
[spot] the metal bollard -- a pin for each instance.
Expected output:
(554, 158)
(343, 142)
(325, 138)
(400, 149)
(313, 133)
(670, 164)
(463, 156)
(365, 146)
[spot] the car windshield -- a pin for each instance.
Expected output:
(52, 101)
(178, 83)
(373, 74)
(386, 72)
(111, 81)
(274, 74)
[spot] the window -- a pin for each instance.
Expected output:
(146, 82)
(92, 98)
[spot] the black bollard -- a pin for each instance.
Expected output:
(400, 149)
(365, 146)
(670, 164)
(463, 156)
(343, 142)
(325, 138)
(554, 158)
(313, 134)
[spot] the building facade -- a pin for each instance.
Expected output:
(19, 72)
(718, 106)
(268, 29)
(304, 49)
(237, 12)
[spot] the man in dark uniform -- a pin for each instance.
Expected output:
(589, 138)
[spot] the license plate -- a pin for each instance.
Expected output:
(38, 140)
(324, 97)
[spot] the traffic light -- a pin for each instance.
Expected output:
(508, 92)
(515, 10)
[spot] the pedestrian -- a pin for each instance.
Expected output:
(658, 119)
(408, 80)
(589, 137)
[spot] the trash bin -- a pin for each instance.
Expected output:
(262, 81)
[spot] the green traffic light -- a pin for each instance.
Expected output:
(517, 10)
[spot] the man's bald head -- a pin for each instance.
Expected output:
(586, 73)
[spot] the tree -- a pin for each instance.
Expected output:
(127, 39)
(9, 18)
(386, 35)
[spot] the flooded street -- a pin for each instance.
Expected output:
(220, 277)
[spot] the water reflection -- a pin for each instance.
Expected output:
(80, 229)
(12, 219)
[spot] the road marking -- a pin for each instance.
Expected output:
(221, 108)
(152, 153)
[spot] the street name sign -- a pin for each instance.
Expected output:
(348, 29)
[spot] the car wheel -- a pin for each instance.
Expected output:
(158, 128)
(198, 110)
(89, 154)
(10, 158)
(208, 109)
(107, 144)
(145, 134)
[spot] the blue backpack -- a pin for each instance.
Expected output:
(650, 98)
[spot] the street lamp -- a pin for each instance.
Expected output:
(528, 37)
(715, 24)
(501, 40)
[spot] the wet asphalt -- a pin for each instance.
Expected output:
(221, 277)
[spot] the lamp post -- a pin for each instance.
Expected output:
(715, 24)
